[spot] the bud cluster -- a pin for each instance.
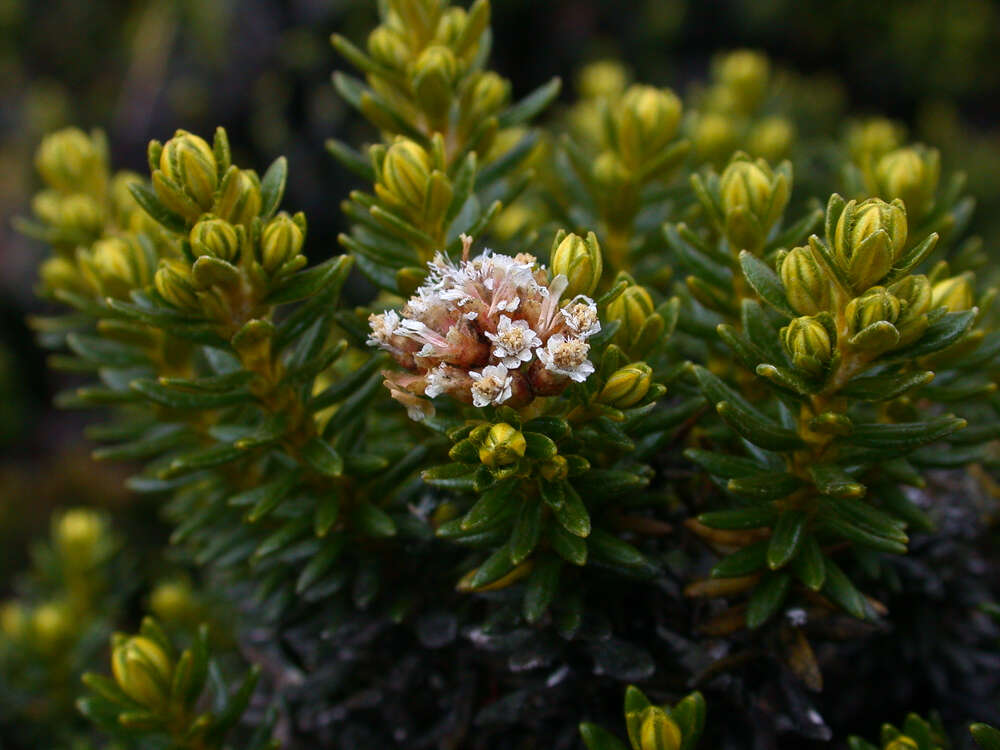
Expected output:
(490, 330)
(652, 727)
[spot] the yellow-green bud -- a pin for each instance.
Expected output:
(658, 731)
(405, 174)
(647, 122)
(485, 97)
(78, 213)
(602, 79)
(434, 74)
(128, 215)
(389, 47)
(806, 285)
(631, 309)
(580, 262)
(280, 241)
(143, 671)
(910, 174)
(868, 140)
(189, 162)
(13, 620)
(745, 74)
(808, 344)
(771, 138)
(78, 535)
(118, 265)
(215, 238)
(502, 445)
(869, 237)
(627, 386)
(753, 199)
(875, 305)
(174, 282)
(451, 25)
(714, 136)
(69, 160)
(61, 273)
(239, 199)
(902, 743)
(554, 469)
(914, 295)
(172, 601)
(955, 293)
(51, 624)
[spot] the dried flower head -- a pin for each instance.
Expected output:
(487, 330)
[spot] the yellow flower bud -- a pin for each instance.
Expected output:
(502, 445)
(554, 469)
(81, 213)
(451, 25)
(771, 138)
(902, 743)
(79, 534)
(215, 238)
(51, 625)
(60, 273)
(867, 141)
(189, 162)
(647, 121)
(143, 671)
(602, 79)
(875, 305)
(869, 237)
(714, 136)
(753, 199)
(128, 215)
(745, 74)
(389, 47)
(239, 199)
(118, 265)
(174, 282)
(13, 620)
(658, 731)
(280, 241)
(434, 74)
(806, 285)
(485, 97)
(808, 344)
(955, 293)
(910, 174)
(631, 309)
(914, 295)
(580, 262)
(627, 386)
(405, 175)
(69, 160)
(173, 601)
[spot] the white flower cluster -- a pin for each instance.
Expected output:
(489, 330)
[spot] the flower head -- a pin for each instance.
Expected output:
(513, 342)
(567, 356)
(491, 386)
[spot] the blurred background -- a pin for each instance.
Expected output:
(139, 70)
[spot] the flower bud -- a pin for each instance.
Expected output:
(554, 469)
(174, 282)
(902, 743)
(914, 295)
(77, 213)
(806, 285)
(867, 141)
(60, 273)
(189, 162)
(78, 535)
(389, 47)
(808, 344)
(647, 121)
(143, 671)
(617, 188)
(602, 79)
(69, 160)
(405, 175)
(753, 199)
(239, 199)
(955, 293)
(627, 386)
(580, 262)
(869, 237)
(714, 136)
(485, 97)
(13, 620)
(51, 625)
(771, 138)
(631, 309)
(127, 214)
(875, 305)
(502, 445)
(118, 265)
(910, 174)
(745, 74)
(280, 241)
(451, 25)
(215, 238)
(173, 601)
(658, 731)
(434, 74)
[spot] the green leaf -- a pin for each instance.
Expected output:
(905, 436)
(572, 514)
(767, 598)
(898, 504)
(149, 203)
(351, 159)
(327, 513)
(175, 399)
(531, 105)
(832, 480)
(539, 446)
(609, 548)
(496, 566)
(507, 161)
(809, 565)
(840, 589)
(723, 465)
(598, 738)
(570, 548)
(689, 714)
(940, 334)
(450, 476)
(311, 281)
(279, 488)
(743, 562)
(321, 457)
(766, 283)
(272, 187)
(786, 538)
(527, 530)
(320, 563)
(740, 518)
(491, 507)
(885, 387)
(771, 485)
(636, 705)
(541, 588)
(371, 520)
(985, 736)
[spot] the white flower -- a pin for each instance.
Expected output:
(436, 381)
(491, 386)
(581, 316)
(383, 326)
(513, 342)
(567, 357)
